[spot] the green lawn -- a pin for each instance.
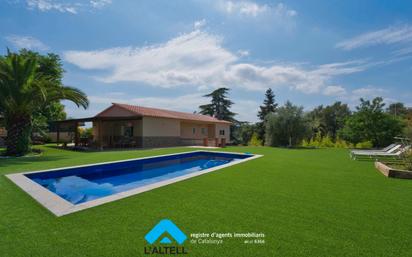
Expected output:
(307, 202)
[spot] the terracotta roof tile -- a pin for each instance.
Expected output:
(155, 112)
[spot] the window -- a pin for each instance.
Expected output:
(194, 131)
(127, 131)
(222, 132)
(203, 131)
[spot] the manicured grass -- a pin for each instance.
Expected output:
(307, 202)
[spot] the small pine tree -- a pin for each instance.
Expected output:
(255, 141)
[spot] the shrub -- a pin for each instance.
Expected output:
(304, 143)
(340, 143)
(254, 141)
(364, 144)
(327, 142)
(408, 161)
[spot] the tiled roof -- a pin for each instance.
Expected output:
(155, 112)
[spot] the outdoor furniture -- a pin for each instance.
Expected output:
(389, 149)
(381, 155)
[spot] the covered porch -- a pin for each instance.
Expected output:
(107, 132)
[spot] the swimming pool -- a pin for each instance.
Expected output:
(66, 190)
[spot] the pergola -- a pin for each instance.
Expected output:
(74, 123)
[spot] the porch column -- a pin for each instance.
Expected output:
(99, 132)
(76, 133)
(58, 133)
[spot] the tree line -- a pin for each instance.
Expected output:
(371, 124)
(31, 89)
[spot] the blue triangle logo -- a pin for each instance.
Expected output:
(165, 240)
(162, 227)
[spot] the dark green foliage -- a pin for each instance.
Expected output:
(371, 123)
(26, 91)
(243, 132)
(397, 109)
(328, 120)
(269, 106)
(49, 65)
(286, 127)
(220, 105)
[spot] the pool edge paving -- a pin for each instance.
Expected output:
(60, 207)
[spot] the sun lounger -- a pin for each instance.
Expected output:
(381, 155)
(389, 149)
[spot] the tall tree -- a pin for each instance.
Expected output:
(328, 120)
(334, 117)
(269, 106)
(371, 123)
(315, 121)
(51, 66)
(220, 105)
(23, 88)
(286, 127)
(397, 109)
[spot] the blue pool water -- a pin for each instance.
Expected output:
(82, 184)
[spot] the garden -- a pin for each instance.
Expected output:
(307, 202)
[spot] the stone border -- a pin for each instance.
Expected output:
(393, 173)
(59, 206)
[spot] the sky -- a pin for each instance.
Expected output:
(168, 54)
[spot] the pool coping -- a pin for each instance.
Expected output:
(60, 207)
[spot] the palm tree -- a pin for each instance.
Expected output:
(22, 89)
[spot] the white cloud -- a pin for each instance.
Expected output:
(244, 7)
(199, 24)
(282, 10)
(403, 51)
(67, 6)
(243, 53)
(194, 58)
(186, 103)
(334, 91)
(304, 79)
(48, 5)
(246, 110)
(368, 92)
(199, 58)
(100, 3)
(26, 42)
(253, 9)
(390, 35)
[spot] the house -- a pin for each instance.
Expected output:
(124, 125)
